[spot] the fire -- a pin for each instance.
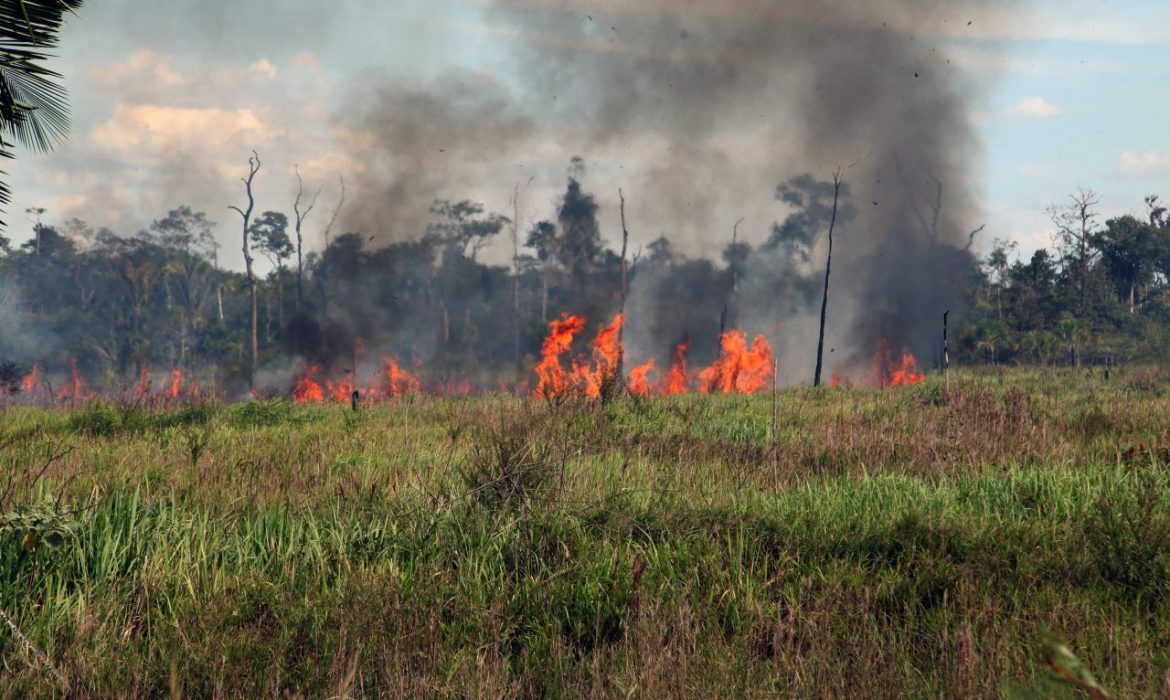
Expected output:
(607, 351)
(307, 390)
(675, 381)
(176, 383)
(31, 381)
(554, 380)
(739, 369)
(889, 372)
(639, 379)
(399, 382)
(340, 391)
(74, 390)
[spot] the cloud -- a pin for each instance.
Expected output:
(1145, 162)
(263, 67)
(1034, 108)
(134, 130)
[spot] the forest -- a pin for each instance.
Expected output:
(119, 308)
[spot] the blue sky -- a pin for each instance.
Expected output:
(169, 97)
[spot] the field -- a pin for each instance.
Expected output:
(915, 542)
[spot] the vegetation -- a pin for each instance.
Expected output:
(110, 304)
(33, 109)
(922, 542)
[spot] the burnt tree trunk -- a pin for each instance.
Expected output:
(624, 291)
(828, 270)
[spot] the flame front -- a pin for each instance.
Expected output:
(554, 381)
(176, 383)
(640, 379)
(888, 372)
(739, 369)
(399, 382)
(306, 389)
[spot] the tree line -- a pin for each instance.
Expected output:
(159, 297)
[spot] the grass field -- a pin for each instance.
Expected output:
(916, 542)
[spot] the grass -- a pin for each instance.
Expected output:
(916, 542)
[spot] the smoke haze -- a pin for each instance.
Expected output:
(699, 109)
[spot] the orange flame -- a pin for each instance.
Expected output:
(75, 389)
(888, 372)
(639, 379)
(176, 383)
(30, 382)
(553, 380)
(399, 382)
(340, 391)
(307, 390)
(739, 368)
(675, 381)
(607, 351)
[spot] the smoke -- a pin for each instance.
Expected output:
(420, 143)
(699, 109)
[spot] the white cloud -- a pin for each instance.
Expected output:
(1034, 108)
(156, 128)
(1144, 162)
(263, 67)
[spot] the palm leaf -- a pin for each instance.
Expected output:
(34, 109)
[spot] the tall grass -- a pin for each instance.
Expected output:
(910, 543)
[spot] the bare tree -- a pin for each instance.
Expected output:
(1075, 227)
(625, 290)
(516, 272)
(246, 215)
(325, 258)
(299, 221)
(828, 268)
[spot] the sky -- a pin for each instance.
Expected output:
(169, 99)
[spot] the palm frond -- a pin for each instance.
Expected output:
(34, 108)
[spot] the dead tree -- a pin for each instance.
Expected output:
(828, 269)
(734, 292)
(1074, 225)
(625, 290)
(246, 215)
(516, 275)
(324, 270)
(300, 219)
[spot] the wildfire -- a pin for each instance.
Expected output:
(675, 381)
(639, 381)
(607, 350)
(888, 371)
(176, 384)
(306, 389)
(399, 382)
(554, 381)
(74, 389)
(31, 382)
(739, 369)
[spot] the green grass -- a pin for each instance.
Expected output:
(916, 543)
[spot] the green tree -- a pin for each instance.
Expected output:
(1130, 250)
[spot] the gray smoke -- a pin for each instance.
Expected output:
(702, 107)
(420, 143)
